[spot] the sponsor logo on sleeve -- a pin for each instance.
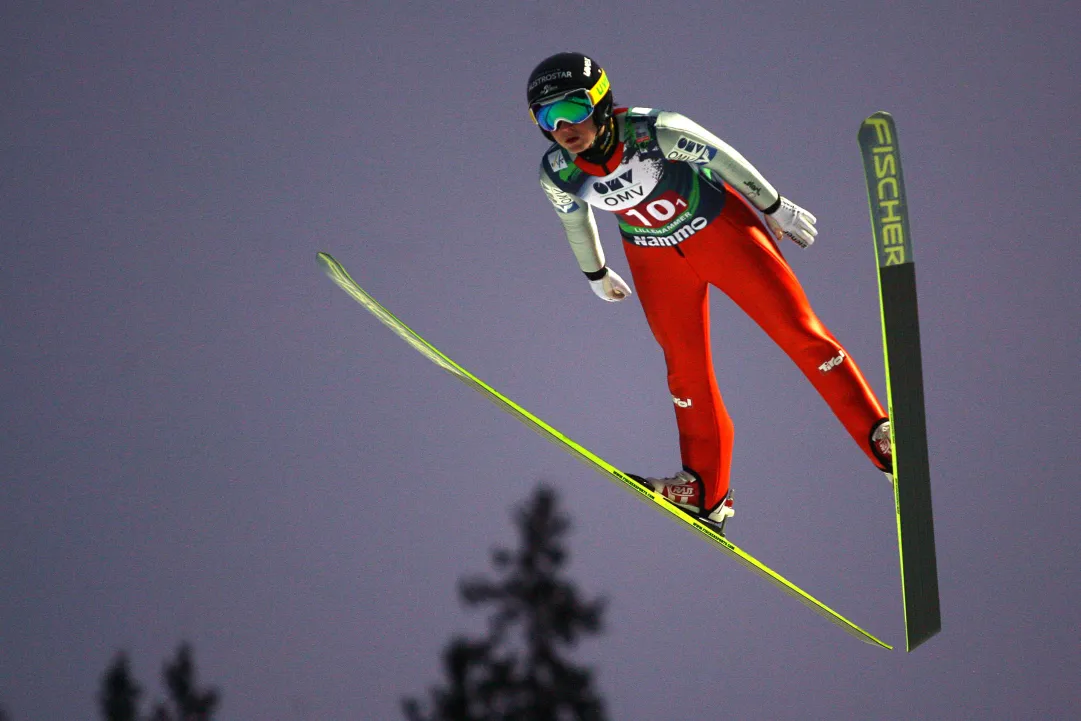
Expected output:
(688, 150)
(753, 188)
(557, 161)
(563, 201)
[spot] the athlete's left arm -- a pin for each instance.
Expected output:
(683, 139)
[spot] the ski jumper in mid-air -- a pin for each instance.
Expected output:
(688, 207)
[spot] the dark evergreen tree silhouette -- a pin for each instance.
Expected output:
(119, 696)
(519, 671)
(188, 703)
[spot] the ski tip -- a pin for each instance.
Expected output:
(879, 115)
(326, 262)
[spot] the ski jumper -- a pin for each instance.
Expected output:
(671, 183)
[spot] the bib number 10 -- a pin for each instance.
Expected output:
(656, 212)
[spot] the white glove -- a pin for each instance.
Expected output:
(610, 287)
(795, 222)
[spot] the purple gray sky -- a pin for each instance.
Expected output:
(205, 440)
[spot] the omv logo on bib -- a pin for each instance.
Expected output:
(625, 188)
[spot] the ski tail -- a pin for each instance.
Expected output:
(337, 273)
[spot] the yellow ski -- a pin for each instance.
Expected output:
(338, 274)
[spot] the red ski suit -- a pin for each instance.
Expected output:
(737, 254)
(685, 227)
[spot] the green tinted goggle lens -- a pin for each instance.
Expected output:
(571, 109)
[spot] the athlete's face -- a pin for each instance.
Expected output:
(578, 137)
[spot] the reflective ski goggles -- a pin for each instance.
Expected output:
(571, 107)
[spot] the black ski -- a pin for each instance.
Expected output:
(904, 376)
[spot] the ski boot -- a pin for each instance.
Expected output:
(684, 490)
(883, 448)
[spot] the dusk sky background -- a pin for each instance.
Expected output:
(205, 440)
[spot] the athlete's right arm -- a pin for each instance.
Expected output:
(581, 229)
(579, 225)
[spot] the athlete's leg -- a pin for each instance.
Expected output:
(674, 299)
(748, 267)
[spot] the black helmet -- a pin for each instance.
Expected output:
(563, 73)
